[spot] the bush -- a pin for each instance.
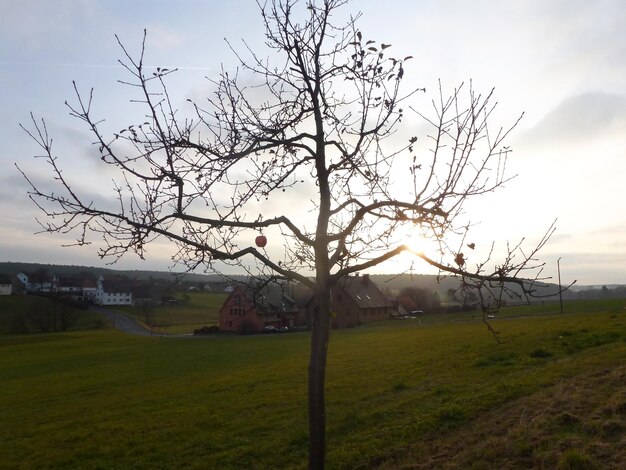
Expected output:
(206, 330)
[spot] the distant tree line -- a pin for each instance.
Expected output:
(419, 299)
(44, 314)
(604, 292)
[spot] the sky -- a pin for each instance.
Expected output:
(560, 62)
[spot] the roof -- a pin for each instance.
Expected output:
(302, 294)
(89, 283)
(144, 291)
(38, 277)
(115, 285)
(271, 299)
(364, 292)
(65, 280)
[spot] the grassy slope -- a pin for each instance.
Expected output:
(19, 305)
(103, 399)
(200, 308)
(579, 423)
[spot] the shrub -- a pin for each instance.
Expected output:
(206, 330)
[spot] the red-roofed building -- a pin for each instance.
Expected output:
(357, 300)
(249, 309)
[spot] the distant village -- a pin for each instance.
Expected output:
(285, 306)
(98, 290)
(254, 306)
(248, 308)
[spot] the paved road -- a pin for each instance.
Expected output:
(122, 322)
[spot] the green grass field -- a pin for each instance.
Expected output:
(18, 312)
(398, 393)
(197, 309)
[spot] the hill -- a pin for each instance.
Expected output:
(391, 283)
(17, 267)
(396, 282)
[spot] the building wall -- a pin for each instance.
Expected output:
(6, 289)
(239, 311)
(89, 293)
(101, 297)
(344, 310)
(347, 313)
(113, 298)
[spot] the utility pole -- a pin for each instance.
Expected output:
(558, 267)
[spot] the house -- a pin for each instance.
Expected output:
(78, 288)
(6, 286)
(250, 309)
(68, 285)
(89, 289)
(215, 286)
(38, 281)
(113, 292)
(356, 300)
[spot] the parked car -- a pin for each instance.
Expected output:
(270, 329)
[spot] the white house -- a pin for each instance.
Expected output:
(113, 292)
(36, 282)
(6, 286)
(90, 287)
(80, 288)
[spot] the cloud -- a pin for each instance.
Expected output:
(162, 38)
(583, 117)
(560, 237)
(595, 268)
(35, 23)
(593, 256)
(614, 229)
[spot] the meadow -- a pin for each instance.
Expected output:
(400, 395)
(193, 310)
(20, 314)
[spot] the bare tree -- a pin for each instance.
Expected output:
(323, 115)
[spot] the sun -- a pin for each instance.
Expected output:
(417, 243)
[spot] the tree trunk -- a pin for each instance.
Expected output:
(317, 378)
